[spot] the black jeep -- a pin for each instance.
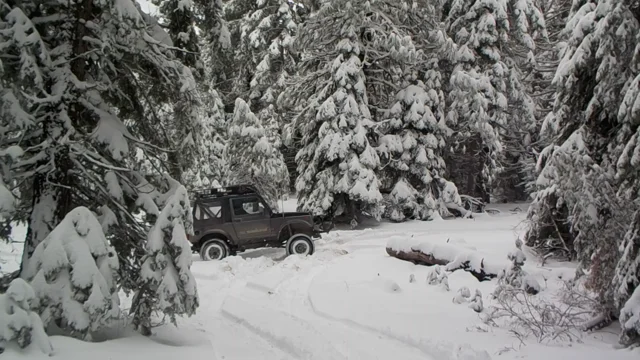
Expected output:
(236, 218)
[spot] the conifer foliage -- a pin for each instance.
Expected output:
(586, 183)
(18, 320)
(486, 96)
(337, 163)
(414, 140)
(73, 273)
(252, 158)
(167, 285)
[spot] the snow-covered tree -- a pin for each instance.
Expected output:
(73, 273)
(19, 321)
(177, 16)
(166, 283)
(252, 159)
(264, 32)
(412, 145)
(485, 93)
(210, 165)
(630, 319)
(337, 163)
(81, 93)
(586, 173)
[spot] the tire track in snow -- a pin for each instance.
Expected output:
(433, 350)
(374, 344)
(287, 332)
(351, 340)
(232, 340)
(377, 343)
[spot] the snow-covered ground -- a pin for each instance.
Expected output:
(350, 300)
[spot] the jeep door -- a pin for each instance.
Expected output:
(251, 219)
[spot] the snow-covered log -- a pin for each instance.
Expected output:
(451, 257)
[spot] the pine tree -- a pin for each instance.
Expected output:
(585, 172)
(252, 159)
(626, 282)
(73, 273)
(486, 94)
(81, 95)
(178, 18)
(167, 284)
(210, 166)
(18, 321)
(414, 138)
(337, 163)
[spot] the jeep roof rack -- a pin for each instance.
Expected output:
(215, 193)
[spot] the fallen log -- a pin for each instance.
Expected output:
(461, 261)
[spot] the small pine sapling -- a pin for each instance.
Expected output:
(167, 285)
(73, 273)
(18, 320)
(438, 276)
(514, 276)
(476, 302)
(462, 296)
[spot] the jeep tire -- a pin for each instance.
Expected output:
(300, 245)
(214, 249)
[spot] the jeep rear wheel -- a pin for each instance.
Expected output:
(214, 250)
(300, 245)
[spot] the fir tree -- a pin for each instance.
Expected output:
(178, 18)
(485, 85)
(413, 142)
(336, 163)
(585, 172)
(81, 95)
(73, 272)
(252, 159)
(210, 166)
(167, 284)
(18, 321)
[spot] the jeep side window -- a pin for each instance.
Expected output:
(198, 213)
(215, 210)
(247, 206)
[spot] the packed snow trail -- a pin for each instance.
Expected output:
(293, 324)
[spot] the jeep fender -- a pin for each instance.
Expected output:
(298, 227)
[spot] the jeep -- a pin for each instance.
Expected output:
(236, 218)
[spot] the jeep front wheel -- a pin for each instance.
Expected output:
(214, 250)
(300, 245)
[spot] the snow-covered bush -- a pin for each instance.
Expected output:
(534, 316)
(462, 295)
(438, 276)
(18, 320)
(73, 272)
(630, 319)
(166, 283)
(476, 302)
(514, 275)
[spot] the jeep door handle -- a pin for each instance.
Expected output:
(237, 220)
